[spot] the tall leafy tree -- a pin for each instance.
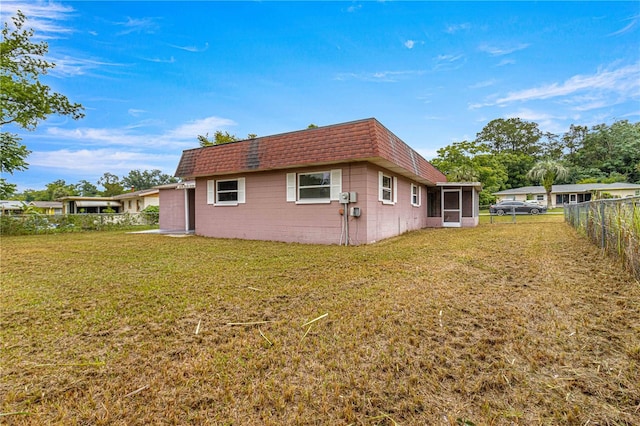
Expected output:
(87, 189)
(473, 161)
(60, 188)
(111, 184)
(146, 179)
(511, 135)
(25, 101)
(547, 172)
(612, 149)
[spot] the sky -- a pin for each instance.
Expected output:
(153, 75)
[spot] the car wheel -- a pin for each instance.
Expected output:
(500, 212)
(535, 211)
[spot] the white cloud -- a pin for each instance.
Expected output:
(192, 49)
(183, 136)
(448, 62)
(138, 25)
(192, 129)
(482, 84)
(409, 44)
(99, 161)
(454, 28)
(135, 112)
(42, 16)
(630, 26)
(624, 81)
(69, 67)
(504, 62)
(502, 50)
(380, 76)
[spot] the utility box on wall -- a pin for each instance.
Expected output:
(354, 211)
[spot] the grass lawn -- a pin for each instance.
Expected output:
(502, 324)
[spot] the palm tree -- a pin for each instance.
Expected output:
(463, 173)
(547, 172)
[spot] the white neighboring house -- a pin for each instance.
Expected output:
(129, 202)
(570, 194)
(137, 201)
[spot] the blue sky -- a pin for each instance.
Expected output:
(153, 75)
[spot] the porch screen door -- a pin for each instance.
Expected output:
(451, 207)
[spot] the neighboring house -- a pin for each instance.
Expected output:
(11, 207)
(348, 183)
(18, 207)
(129, 202)
(136, 201)
(47, 207)
(76, 205)
(570, 194)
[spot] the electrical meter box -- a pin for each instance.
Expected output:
(353, 197)
(344, 198)
(354, 211)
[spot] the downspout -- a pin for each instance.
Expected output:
(186, 210)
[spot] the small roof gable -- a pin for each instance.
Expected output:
(363, 140)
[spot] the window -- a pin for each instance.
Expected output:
(388, 188)
(228, 192)
(416, 195)
(314, 187)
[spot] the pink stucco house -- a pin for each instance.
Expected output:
(349, 183)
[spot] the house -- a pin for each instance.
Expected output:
(348, 183)
(19, 207)
(136, 201)
(47, 207)
(11, 207)
(129, 202)
(570, 194)
(76, 205)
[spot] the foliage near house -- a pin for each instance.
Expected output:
(500, 324)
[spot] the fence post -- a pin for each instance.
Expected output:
(603, 241)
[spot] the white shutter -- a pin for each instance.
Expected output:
(380, 192)
(241, 191)
(211, 192)
(395, 190)
(336, 184)
(419, 195)
(291, 187)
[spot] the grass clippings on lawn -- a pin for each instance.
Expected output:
(501, 324)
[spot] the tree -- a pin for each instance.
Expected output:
(547, 172)
(612, 149)
(473, 161)
(111, 184)
(59, 189)
(511, 135)
(87, 189)
(147, 179)
(24, 99)
(219, 138)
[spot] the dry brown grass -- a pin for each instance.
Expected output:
(502, 324)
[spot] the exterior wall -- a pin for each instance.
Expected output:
(266, 215)
(385, 220)
(623, 193)
(172, 213)
(137, 204)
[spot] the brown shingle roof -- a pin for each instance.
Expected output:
(363, 140)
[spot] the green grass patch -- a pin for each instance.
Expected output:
(521, 324)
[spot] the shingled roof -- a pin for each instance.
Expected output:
(362, 140)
